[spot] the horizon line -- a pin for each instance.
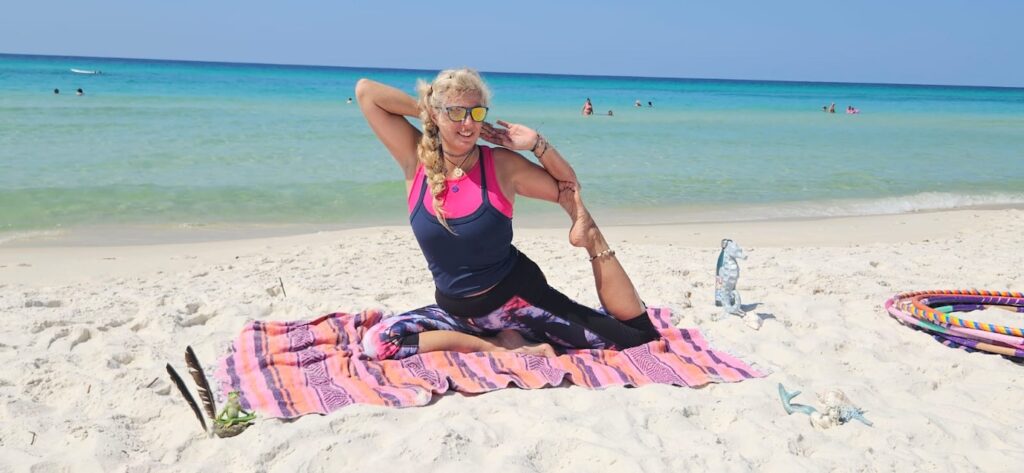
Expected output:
(406, 69)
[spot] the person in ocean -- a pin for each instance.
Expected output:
(79, 91)
(490, 296)
(56, 91)
(588, 108)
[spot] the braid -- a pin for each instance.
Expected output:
(429, 152)
(431, 98)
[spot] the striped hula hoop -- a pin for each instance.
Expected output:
(931, 311)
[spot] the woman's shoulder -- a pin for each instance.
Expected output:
(503, 152)
(504, 158)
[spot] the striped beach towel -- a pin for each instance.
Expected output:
(290, 369)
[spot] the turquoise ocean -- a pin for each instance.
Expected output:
(189, 145)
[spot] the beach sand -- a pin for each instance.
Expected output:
(87, 331)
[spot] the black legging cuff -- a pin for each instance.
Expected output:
(643, 323)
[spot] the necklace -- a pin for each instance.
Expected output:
(458, 172)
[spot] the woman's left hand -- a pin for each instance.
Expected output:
(512, 135)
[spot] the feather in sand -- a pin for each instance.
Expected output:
(187, 395)
(203, 386)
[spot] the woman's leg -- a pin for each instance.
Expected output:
(505, 340)
(430, 329)
(614, 288)
(542, 313)
(398, 336)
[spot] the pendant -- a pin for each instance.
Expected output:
(458, 173)
(455, 188)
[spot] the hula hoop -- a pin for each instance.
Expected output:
(930, 311)
(916, 303)
(955, 336)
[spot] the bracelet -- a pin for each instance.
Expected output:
(536, 144)
(542, 151)
(608, 252)
(545, 150)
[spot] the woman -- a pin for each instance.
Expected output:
(461, 195)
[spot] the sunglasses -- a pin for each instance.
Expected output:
(458, 114)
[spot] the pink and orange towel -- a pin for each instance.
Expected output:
(290, 369)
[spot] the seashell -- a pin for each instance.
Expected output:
(823, 421)
(833, 398)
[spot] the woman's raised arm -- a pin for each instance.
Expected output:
(386, 109)
(523, 177)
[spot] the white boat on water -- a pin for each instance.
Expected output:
(84, 71)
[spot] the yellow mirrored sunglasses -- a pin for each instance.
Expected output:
(457, 113)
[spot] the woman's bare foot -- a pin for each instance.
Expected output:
(514, 341)
(584, 230)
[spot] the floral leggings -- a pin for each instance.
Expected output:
(397, 336)
(523, 301)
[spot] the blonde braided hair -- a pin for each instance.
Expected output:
(432, 96)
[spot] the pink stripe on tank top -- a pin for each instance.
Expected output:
(467, 199)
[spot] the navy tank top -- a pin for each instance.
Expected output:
(480, 253)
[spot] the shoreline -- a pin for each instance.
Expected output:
(54, 263)
(182, 233)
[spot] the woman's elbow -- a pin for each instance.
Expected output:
(362, 88)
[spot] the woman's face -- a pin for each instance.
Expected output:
(458, 137)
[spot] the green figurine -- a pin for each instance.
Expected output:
(231, 421)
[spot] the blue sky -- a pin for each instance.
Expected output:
(923, 42)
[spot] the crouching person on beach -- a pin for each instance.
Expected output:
(490, 296)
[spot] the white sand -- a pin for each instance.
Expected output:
(87, 330)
